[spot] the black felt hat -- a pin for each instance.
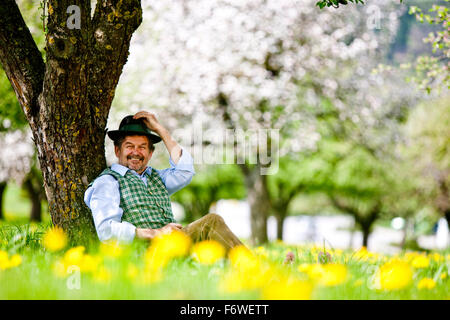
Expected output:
(129, 126)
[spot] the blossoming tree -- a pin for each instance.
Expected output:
(252, 66)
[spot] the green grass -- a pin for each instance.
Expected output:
(185, 278)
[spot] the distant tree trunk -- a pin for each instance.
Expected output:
(364, 219)
(280, 223)
(2, 193)
(34, 188)
(280, 215)
(258, 199)
(366, 234)
(67, 98)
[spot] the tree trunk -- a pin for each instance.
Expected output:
(280, 223)
(2, 193)
(67, 99)
(258, 199)
(280, 216)
(366, 234)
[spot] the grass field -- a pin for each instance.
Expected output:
(35, 263)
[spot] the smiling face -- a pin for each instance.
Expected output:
(134, 152)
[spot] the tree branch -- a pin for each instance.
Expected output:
(20, 58)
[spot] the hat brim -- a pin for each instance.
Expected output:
(116, 134)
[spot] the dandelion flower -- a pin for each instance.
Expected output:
(6, 262)
(242, 258)
(208, 252)
(420, 261)
(74, 256)
(54, 239)
(174, 244)
(426, 283)
(394, 275)
(111, 249)
(287, 289)
(333, 275)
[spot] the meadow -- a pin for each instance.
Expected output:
(36, 262)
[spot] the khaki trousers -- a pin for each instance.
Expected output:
(212, 227)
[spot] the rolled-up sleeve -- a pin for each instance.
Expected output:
(178, 175)
(103, 198)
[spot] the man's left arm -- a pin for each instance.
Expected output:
(179, 174)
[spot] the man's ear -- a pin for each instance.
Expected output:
(116, 150)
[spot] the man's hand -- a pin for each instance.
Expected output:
(150, 120)
(143, 233)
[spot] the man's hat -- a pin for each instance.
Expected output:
(129, 126)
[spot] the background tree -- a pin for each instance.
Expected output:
(211, 184)
(427, 151)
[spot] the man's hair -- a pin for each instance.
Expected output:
(119, 141)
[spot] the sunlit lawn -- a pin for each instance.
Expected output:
(36, 263)
(171, 268)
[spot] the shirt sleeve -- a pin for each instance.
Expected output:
(178, 175)
(103, 198)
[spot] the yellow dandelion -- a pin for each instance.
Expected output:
(4, 260)
(261, 251)
(426, 283)
(242, 258)
(174, 244)
(54, 239)
(89, 263)
(304, 267)
(393, 275)
(111, 249)
(420, 261)
(443, 276)
(15, 261)
(287, 289)
(73, 256)
(333, 275)
(208, 252)
(437, 257)
(236, 280)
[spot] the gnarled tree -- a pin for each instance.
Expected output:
(66, 98)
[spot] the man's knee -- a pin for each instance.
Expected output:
(215, 217)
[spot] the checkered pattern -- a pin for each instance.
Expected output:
(143, 206)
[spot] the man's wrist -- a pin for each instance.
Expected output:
(142, 233)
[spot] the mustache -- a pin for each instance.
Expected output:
(135, 157)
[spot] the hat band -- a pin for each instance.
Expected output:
(133, 127)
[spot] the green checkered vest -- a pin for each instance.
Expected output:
(143, 206)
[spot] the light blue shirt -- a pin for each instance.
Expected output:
(103, 197)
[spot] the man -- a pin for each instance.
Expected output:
(130, 200)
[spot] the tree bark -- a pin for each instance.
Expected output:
(67, 99)
(2, 193)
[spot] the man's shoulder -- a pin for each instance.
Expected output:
(106, 176)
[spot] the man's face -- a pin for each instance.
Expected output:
(134, 153)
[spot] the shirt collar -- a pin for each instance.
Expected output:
(122, 170)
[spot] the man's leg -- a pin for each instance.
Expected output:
(212, 227)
